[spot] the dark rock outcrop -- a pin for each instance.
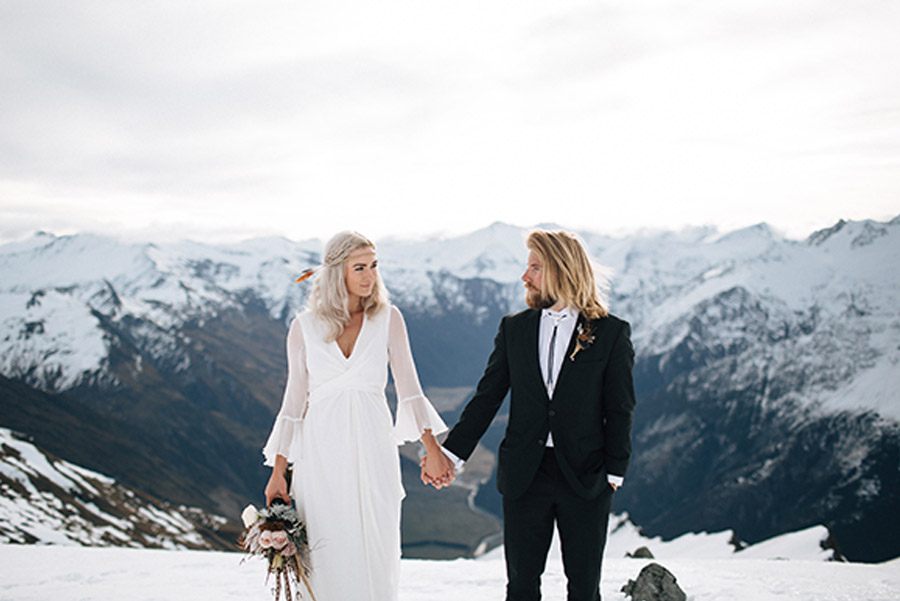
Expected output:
(640, 553)
(654, 583)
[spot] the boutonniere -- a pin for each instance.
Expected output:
(584, 339)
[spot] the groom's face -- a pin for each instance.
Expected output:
(532, 278)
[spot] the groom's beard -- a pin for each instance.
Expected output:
(534, 299)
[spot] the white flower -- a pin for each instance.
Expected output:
(249, 516)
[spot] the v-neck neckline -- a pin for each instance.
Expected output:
(359, 334)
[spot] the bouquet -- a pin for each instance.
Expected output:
(277, 534)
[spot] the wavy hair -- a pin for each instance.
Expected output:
(568, 274)
(329, 299)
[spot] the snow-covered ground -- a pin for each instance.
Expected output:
(624, 537)
(38, 573)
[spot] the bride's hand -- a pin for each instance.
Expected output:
(277, 488)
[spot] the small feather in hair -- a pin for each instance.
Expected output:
(305, 275)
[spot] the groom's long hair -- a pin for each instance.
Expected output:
(568, 273)
(329, 300)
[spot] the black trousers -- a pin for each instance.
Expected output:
(528, 531)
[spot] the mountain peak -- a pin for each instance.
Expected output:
(756, 231)
(820, 236)
(499, 227)
(854, 233)
(549, 225)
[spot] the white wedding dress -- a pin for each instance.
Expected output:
(335, 426)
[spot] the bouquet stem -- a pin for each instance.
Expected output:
(308, 586)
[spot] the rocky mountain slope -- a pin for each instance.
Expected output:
(46, 500)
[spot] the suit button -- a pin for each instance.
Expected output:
(540, 441)
(552, 413)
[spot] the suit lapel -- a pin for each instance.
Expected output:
(532, 351)
(566, 361)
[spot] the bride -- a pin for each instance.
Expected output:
(335, 426)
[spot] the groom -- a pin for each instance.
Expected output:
(567, 364)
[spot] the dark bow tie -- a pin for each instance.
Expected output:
(557, 315)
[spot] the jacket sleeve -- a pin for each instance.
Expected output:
(481, 409)
(618, 404)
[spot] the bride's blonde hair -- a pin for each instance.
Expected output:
(568, 273)
(329, 299)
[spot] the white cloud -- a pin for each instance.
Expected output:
(234, 118)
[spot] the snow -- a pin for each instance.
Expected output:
(625, 537)
(793, 545)
(52, 337)
(82, 471)
(873, 388)
(840, 290)
(31, 462)
(36, 573)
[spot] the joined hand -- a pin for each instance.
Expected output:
(437, 469)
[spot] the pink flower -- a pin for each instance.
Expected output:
(279, 539)
(265, 539)
(289, 549)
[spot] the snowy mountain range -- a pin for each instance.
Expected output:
(767, 368)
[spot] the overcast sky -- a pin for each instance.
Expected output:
(221, 120)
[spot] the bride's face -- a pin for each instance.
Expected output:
(361, 272)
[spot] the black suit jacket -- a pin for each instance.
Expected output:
(589, 414)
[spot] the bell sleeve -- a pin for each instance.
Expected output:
(285, 436)
(415, 413)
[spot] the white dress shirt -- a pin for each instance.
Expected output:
(565, 322)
